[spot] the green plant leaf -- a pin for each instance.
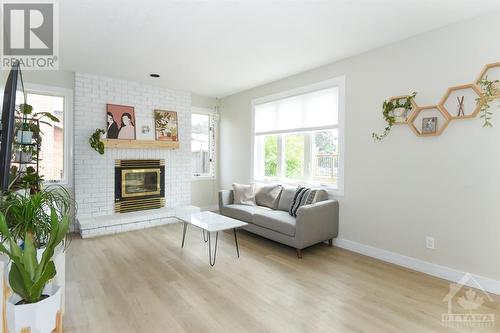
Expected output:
(29, 257)
(16, 282)
(48, 273)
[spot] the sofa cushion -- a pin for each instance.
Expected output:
(267, 195)
(286, 198)
(303, 196)
(244, 194)
(243, 212)
(321, 195)
(276, 220)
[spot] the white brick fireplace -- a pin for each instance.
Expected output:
(94, 173)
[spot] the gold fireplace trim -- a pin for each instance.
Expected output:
(140, 194)
(139, 163)
(139, 204)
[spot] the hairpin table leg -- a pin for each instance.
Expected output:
(184, 233)
(210, 248)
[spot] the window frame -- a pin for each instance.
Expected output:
(68, 147)
(338, 189)
(212, 140)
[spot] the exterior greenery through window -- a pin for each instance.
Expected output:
(296, 138)
(202, 145)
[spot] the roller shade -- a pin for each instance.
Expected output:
(318, 109)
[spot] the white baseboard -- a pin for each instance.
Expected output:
(443, 272)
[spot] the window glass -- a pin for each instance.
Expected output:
(294, 156)
(271, 156)
(200, 144)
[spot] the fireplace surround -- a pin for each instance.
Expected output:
(139, 185)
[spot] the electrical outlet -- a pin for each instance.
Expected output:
(429, 242)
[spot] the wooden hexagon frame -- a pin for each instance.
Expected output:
(471, 86)
(484, 71)
(412, 112)
(443, 111)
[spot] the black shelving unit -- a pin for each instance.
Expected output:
(23, 165)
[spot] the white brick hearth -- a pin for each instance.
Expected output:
(94, 173)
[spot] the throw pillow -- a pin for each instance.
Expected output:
(303, 196)
(244, 194)
(267, 195)
(286, 198)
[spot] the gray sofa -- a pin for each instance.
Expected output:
(314, 223)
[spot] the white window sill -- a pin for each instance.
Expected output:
(200, 178)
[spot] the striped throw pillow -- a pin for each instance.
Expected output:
(303, 196)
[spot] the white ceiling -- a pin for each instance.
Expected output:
(216, 48)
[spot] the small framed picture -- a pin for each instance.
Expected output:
(120, 122)
(429, 125)
(166, 126)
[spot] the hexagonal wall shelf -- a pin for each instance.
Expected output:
(429, 120)
(460, 101)
(493, 73)
(402, 116)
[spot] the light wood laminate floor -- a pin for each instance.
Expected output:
(142, 281)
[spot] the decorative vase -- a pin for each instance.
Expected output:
(40, 317)
(24, 137)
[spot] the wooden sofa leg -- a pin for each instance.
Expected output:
(330, 242)
(299, 253)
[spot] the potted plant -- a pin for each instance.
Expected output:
(36, 302)
(23, 153)
(28, 180)
(24, 135)
(31, 213)
(95, 140)
(29, 127)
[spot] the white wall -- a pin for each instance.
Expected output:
(402, 189)
(94, 173)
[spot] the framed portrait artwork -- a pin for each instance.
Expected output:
(120, 122)
(166, 125)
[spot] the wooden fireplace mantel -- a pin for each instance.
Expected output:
(140, 144)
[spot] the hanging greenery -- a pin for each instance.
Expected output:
(489, 92)
(388, 109)
(95, 141)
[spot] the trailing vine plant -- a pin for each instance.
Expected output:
(388, 109)
(95, 141)
(489, 91)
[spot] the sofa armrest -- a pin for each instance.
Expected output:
(225, 198)
(317, 222)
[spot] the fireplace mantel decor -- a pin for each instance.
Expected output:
(139, 185)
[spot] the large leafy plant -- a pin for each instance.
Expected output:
(32, 120)
(27, 276)
(31, 214)
(388, 109)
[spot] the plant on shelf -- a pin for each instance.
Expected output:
(30, 124)
(37, 300)
(388, 109)
(489, 93)
(95, 141)
(31, 214)
(28, 180)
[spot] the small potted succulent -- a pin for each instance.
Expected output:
(36, 300)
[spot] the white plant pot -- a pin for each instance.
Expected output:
(24, 137)
(23, 157)
(39, 317)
